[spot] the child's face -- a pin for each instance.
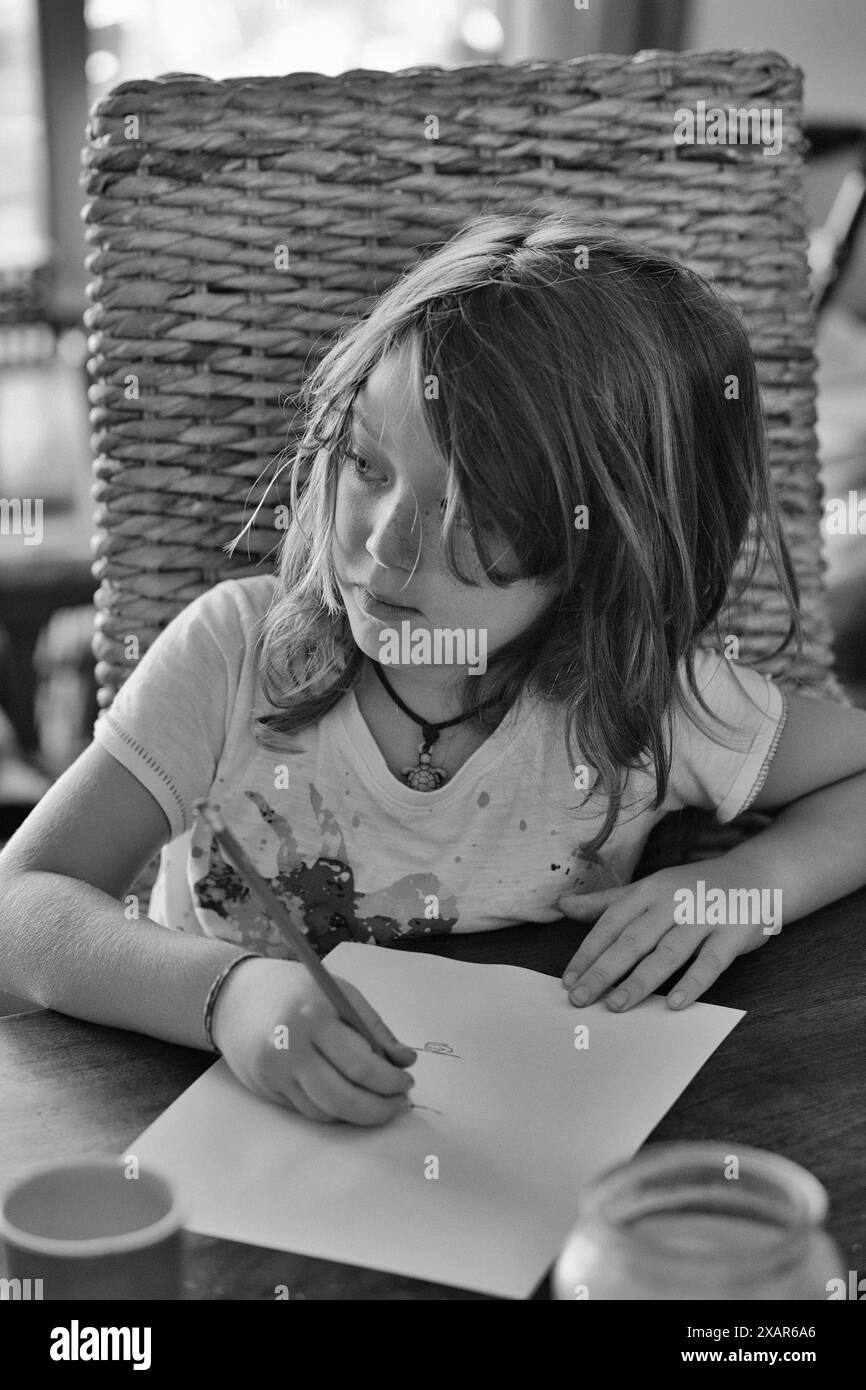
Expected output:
(388, 529)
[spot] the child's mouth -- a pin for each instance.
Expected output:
(378, 608)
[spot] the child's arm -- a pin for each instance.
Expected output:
(812, 854)
(65, 941)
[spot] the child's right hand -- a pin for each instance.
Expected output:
(328, 1071)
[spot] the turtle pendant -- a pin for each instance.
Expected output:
(425, 778)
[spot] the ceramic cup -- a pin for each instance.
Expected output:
(92, 1228)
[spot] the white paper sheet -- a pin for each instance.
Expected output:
(527, 1120)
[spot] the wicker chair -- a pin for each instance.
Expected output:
(201, 326)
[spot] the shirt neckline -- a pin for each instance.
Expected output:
(362, 747)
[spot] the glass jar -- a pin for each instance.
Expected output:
(700, 1221)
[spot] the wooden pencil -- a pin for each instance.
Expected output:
(279, 915)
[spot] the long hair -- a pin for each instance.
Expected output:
(573, 369)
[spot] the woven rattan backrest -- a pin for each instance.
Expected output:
(235, 225)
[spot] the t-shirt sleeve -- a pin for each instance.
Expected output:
(725, 776)
(167, 724)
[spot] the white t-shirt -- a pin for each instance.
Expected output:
(355, 854)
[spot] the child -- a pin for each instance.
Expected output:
(517, 507)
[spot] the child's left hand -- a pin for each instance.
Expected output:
(635, 927)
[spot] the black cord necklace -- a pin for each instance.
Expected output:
(425, 778)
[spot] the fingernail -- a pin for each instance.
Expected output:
(570, 978)
(676, 998)
(617, 999)
(581, 995)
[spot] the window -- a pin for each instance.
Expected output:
(24, 245)
(229, 38)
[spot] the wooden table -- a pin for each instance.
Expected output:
(791, 1077)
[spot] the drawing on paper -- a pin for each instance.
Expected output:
(443, 1049)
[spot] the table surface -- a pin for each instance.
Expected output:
(791, 1077)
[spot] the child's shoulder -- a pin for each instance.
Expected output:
(737, 695)
(718, 677)
(241, 600)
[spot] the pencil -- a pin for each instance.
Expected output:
(279, 915)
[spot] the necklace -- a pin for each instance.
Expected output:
(424, 777)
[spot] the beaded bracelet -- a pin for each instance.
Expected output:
(213, 994)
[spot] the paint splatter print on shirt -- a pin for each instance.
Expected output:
(354, 853)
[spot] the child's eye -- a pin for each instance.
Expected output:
(360, 465)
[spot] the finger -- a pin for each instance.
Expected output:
(294, 1098)
(586, 906)
(673, 950)
(604, 935)
(328, 1088)
(633, 941)
(399, 1053)
(352, 1055)
(711, 960)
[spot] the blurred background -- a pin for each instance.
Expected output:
(57, 57)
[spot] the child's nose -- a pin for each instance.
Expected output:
(395, 536)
